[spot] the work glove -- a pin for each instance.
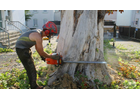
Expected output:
(42, 58)
(56, 57)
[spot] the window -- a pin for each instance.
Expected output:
(35, 22)
(9, 14)
(44, 11)
(44, 21)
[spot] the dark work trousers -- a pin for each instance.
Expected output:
(25, 55)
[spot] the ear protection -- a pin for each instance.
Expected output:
(47, 32)
(49, 29)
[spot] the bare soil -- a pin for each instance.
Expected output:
(125, 49)
(8, 61)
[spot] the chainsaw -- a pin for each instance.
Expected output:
(60, 61)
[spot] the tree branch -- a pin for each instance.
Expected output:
(101, 15)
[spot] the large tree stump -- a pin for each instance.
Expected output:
(81, 39)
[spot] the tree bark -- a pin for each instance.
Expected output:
(81, 39)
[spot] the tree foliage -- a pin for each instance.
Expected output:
(28, 15)
(111, 11)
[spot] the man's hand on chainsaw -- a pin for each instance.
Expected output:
(42, 58)
(56, 57)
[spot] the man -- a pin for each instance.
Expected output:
(29, 39)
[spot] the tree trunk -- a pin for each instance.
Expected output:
(81, 39)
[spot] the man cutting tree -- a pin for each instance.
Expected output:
(29, 39)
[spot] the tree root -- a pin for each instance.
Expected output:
(98, 72)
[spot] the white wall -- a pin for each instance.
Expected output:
(124, 18)
(18, 15)
(15, 15)
(57, 16)
(40, 15)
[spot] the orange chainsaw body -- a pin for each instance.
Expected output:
(53, 61)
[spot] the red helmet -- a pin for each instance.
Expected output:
(50, 28)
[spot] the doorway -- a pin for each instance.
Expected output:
(0, 19)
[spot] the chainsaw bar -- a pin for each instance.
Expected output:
(86, 62)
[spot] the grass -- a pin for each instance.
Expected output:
(118, 85)
(107, 46)
(125, 70)
(6, 65)
(18, 78)
(18, 61)
(121, 47)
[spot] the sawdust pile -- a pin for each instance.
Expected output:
(67, 82)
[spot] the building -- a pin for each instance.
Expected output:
(128, 18)
(12, 25)
(57, 15)
(128, 22)
(40, 17)
(110, 18)
(14, 16)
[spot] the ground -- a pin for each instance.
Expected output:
(125, 51)
(10, 60)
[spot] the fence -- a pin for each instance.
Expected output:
(4, 37)
(16, 25)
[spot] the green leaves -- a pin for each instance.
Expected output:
(6, 50)
(111, 11)
(131, 84)
(28, 15)
(48, 49)
(97, 50)
(96, 80)
(19, 79)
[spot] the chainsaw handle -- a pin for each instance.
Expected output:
(59, 61)
(54, 62)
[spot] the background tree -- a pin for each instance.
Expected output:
(28, 15)
(81, 39)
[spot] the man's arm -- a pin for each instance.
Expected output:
(37, 37)
(39, 47)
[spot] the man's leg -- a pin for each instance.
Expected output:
(25, 56)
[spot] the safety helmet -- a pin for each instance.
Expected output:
(49, 28)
